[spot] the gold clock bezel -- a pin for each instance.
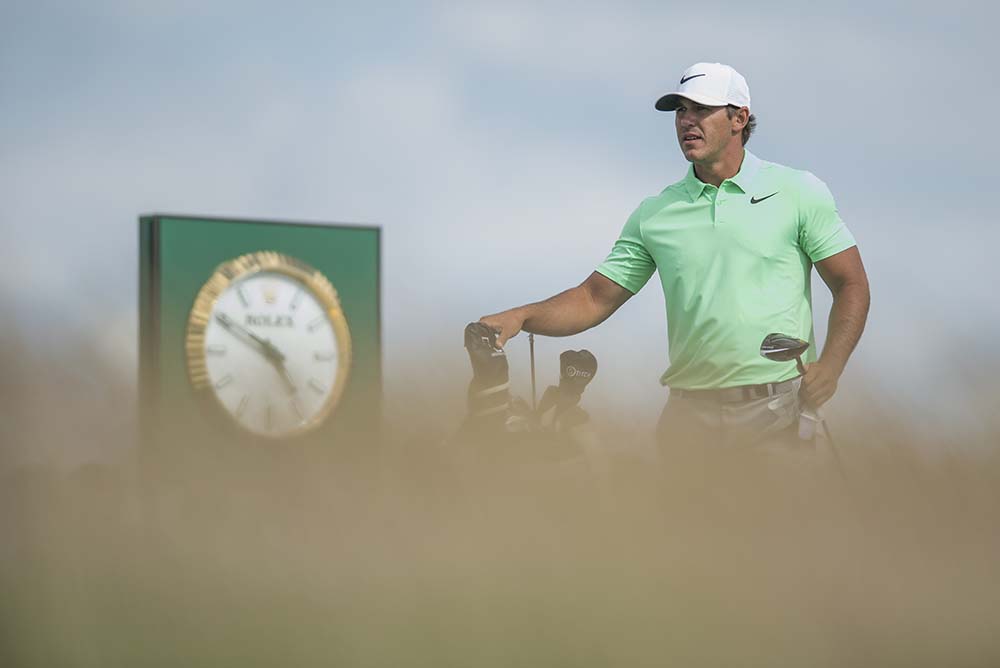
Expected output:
(228, 273)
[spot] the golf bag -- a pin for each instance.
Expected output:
(507, 433)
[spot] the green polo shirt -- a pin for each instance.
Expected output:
(735, 265)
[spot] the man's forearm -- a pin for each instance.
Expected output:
(569, 312)
(845, 325)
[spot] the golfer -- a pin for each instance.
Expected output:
(734, 243)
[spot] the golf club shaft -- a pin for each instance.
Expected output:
(826, 429)
(835, 452)
(531, 352)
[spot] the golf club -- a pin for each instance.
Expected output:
(784, 348)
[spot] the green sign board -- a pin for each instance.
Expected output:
(258, 336)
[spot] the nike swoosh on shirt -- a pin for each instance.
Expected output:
(754, 200)
(693, 76)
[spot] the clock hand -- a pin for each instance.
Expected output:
(287, 377)
(269, 350)
(265, 346)
(278, 359)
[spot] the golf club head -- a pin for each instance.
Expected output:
(782, 347)
(576, 369)
(489, 363)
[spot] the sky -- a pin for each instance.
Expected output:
(500, 146)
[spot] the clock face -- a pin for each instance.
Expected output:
(270, 344)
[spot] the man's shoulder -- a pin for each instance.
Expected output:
(806, 190)
(672, 192)
(675, 192)
(780, 175)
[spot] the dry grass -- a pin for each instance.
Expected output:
(704, 564)
(423, 558)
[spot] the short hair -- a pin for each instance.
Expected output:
(748, 128)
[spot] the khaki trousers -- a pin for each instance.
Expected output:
(769, 424)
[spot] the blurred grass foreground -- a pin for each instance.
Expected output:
(418, 558)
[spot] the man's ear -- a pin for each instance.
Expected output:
(741, 118)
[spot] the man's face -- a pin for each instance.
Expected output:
(704, 132)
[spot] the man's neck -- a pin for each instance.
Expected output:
(726, 167)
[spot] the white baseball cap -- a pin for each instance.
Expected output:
(711, 84)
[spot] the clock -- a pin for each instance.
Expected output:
(268, 345)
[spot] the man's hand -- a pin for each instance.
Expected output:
(818, 384)
(506, 324)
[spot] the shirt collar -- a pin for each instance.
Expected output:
(694, 185)
(748, 170)
(743, 178)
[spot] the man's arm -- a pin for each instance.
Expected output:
(567, 313)
(845, 275)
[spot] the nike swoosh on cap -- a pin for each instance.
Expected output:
(693, 76)
(754, 200)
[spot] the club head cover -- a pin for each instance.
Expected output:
(558, 409)
(489, 389)
(576, 369)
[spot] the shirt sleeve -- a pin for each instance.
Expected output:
(629, 264)
(821, 231)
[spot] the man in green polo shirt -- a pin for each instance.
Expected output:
(734, 243)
